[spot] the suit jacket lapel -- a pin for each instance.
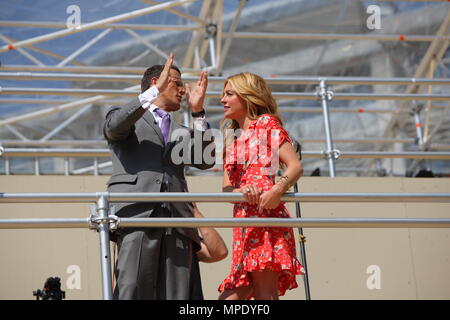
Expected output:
(152, 122)
(172, 138)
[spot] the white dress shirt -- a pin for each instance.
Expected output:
(147, 97)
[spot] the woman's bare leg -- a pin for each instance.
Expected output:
(265, 285)
(240, 293)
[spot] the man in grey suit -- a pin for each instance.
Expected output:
(157, 263)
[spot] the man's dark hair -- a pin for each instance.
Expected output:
(153, 71)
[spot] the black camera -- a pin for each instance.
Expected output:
(51, 291)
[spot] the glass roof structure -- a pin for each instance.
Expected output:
(379, 71)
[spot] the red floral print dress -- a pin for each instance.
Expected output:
(249, 161)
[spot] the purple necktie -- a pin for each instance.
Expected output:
(165, 123)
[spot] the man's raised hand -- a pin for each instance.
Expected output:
(196, 97)
(163, 80)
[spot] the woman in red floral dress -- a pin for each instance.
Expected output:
(264, 262)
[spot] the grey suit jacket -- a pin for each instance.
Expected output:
(141, 162)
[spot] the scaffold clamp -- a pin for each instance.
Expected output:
(210, 30)
(301, 238)
(95, 219)
(323, 94)
(335, 153)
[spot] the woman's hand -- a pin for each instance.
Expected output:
(294, 169)
(270, 199)
(251, 193)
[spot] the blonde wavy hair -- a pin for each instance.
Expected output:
(255, 92)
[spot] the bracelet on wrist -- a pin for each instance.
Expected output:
(284, 183)
(285, 178)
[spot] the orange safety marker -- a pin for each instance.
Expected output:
(402, 37)
(418, 125)
(361, 109)
(10, 47)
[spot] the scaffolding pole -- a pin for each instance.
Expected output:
(325, 95)
(276, 80)
(66, 122)
(50, 110)
(222, 197)
(121, 26)
(86, 153)
(102, 207)
(336, 36)
(96, 143)
(80, 223)
(84, 47)
(87, 26)
(218, 94)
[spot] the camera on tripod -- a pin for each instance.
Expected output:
(51, 290)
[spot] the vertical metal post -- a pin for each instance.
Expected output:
(211, 32)
(302, 249)
(197, 60)
(66, 166)
(381, 172)
(2, 151)
(7, 167)
(105, 255)
(418, 125)
(325, 96)
(36, 167)
(186, 117)
(95, 166)
(212, 52)
(419, 133)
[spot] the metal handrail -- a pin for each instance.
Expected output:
(103, 152)
(78, 223)
(275, 80)
(219, 197)
(218, 94)
(54, 152)
(335, 36)
(99, 143)
(322, 93)
(104, 221)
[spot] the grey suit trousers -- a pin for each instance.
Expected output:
(156, 264)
